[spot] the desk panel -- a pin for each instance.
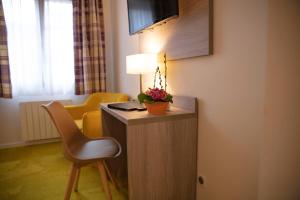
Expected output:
(159, 153)
(118, 166)
(162, 160)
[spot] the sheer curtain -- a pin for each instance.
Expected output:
(40, 44)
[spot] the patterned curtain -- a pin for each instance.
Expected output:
(5, 83)
(89, 47)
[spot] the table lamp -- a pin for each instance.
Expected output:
(141, 64)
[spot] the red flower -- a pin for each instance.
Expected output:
(157, 94)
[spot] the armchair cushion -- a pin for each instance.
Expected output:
(91, 124)
(87, 116)
(76, 111)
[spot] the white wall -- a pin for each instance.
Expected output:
(280, 156)
(231, 88)
(9, 122)
(109, 45)
(123, 45)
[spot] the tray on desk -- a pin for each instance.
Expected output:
(128, 106)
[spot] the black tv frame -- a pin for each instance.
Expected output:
(152, 25)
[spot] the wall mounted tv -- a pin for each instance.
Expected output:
(144, 14)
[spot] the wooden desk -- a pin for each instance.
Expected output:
(159, 153)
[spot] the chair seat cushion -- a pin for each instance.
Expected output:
(95, 149)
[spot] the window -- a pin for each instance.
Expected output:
(40, 45)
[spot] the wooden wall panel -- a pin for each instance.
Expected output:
(189, 35)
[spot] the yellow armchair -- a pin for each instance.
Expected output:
(87, 116)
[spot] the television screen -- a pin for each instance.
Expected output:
(145, 13)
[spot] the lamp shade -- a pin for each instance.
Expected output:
(141, 63)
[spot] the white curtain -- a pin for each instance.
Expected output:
(40, 44)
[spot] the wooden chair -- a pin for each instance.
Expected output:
(81, 150)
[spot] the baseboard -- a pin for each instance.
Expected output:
(28, 143)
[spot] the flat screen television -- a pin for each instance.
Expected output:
(143, 14)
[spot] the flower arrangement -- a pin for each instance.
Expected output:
(153, 95)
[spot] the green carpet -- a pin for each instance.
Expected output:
(41, 172)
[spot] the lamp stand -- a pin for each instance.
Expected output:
(165, 62)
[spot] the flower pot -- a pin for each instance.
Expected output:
(157, 108)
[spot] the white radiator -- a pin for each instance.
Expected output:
(36, 124)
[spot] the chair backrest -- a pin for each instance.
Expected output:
(95, 99)
(64, 123)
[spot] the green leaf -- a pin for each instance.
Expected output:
(169, 98)
(142, 97)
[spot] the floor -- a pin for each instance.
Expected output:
(41, 172)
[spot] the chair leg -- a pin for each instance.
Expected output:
(111, 176)
(104, 179)
(77, 180)
(72, 177)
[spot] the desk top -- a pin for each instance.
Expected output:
(183, 107)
